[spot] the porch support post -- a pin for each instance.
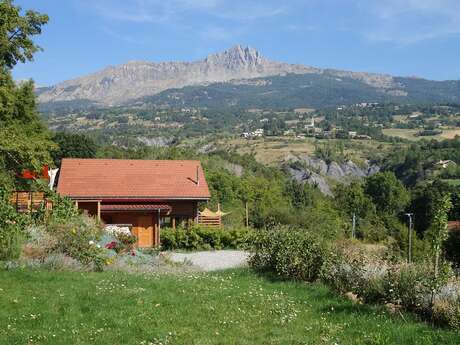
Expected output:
(99, 210)
(159, 228)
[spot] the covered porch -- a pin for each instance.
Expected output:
(144, 220)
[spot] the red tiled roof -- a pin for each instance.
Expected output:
(125, 179)
(135, 207)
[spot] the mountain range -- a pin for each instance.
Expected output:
(239, 76)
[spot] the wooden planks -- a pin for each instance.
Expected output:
(213, 222)
(29, 201)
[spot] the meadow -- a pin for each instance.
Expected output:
(275, 150)
(410, 134)
(227, 307)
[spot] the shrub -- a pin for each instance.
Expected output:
(77, 237)
(289, 253)
(11, 225)
(202, 238)
(63, 208)
(126, 240)
(375, 279)
(447, 313)
(406, 285)
(61, 262)
(39, 244)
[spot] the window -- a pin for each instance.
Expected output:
(166, 222)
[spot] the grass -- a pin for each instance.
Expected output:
(228, 307)
(273, 150)
(410, 134)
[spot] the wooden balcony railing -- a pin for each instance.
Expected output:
(25, 201)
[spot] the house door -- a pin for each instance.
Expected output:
(144, 231)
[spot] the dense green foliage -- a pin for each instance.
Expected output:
(289, 252)
(73, 146)
(201, 238)
(24, 140)
(15, 33)
(387, 192)
(418, 161)
(11, 228)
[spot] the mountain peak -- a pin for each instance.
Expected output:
(237, 55)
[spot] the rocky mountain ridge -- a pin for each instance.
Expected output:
(118, 85)
(316, 171)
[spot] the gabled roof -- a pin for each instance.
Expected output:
(132, 179)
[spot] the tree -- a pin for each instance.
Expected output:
(387, 192)
(301, 194)
(73, 146)
(24, 140)
(437, 234)
(16, 33)
(352, 199)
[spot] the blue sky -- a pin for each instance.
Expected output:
(400, 37)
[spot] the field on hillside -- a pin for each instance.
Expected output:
(273, 150)
(228, 307)
(410, 134)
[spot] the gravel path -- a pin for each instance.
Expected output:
(213, 260)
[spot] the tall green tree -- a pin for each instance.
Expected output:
(352, 199)
(16, 32)
(387, 192)
(72, 145)
(24, 140)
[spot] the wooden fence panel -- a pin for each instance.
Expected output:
(29, 201)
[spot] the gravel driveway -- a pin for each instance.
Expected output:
(212, 260)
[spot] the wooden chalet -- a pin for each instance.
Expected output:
(144, 195)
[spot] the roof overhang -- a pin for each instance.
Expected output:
(136, 207)
(134, 198)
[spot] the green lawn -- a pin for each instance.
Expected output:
(231, 307)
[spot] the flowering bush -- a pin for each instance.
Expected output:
(119, 239)
(77, 237)
(127, 239)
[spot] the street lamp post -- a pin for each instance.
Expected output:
(409, 255)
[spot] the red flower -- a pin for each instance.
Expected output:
(133, 254)
(111, 245)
